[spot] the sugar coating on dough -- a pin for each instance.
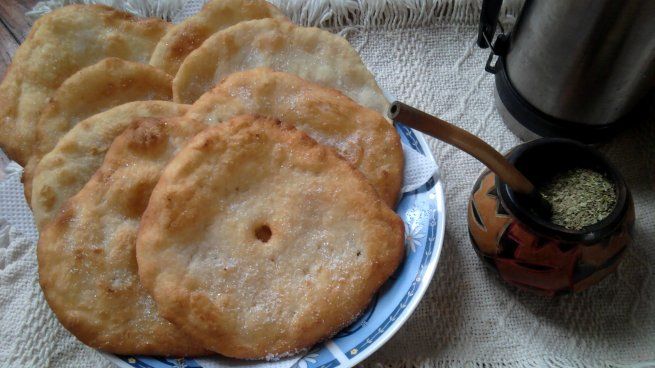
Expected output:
(360, 135)
(214, 16)
(86, 254)
(311, 53)
(64, 170)
(94, 89)
(59, 44)
(259, 241)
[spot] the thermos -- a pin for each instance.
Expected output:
(573, 69)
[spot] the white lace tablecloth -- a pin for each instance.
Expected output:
(468, 317)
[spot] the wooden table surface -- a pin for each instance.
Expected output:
(14, 27)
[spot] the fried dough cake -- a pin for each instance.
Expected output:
(59, 44)
(214, 16)
(362, 136)
(262, 242)
(311, 53)
(96, 88)
(86, 254)
(64, 170)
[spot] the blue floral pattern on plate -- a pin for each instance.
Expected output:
(423, 212)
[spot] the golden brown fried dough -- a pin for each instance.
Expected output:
(64, 171)
(311, 53)
(362, 136)
(59, 44)
(96, 88)
(262, 242)
(216, 15)
(87, 262)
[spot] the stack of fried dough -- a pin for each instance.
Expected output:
(223, 185)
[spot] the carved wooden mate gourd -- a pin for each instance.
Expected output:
(510, 222)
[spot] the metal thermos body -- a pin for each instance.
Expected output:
(587, 61)
(583, 62)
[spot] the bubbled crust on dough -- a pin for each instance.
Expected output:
(360, 135)
(96, 88)
(64, 170)
(86, 255)
(333, 242)
(59, 44)
(215, 15)
(311, 53)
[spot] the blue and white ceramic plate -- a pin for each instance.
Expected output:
(423, 211)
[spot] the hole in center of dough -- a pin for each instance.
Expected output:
(263, 233)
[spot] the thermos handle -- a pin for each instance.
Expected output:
(488, 22)
(487, 30)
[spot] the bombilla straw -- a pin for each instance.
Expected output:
(463, 140)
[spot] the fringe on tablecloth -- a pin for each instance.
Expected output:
(337, 14)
